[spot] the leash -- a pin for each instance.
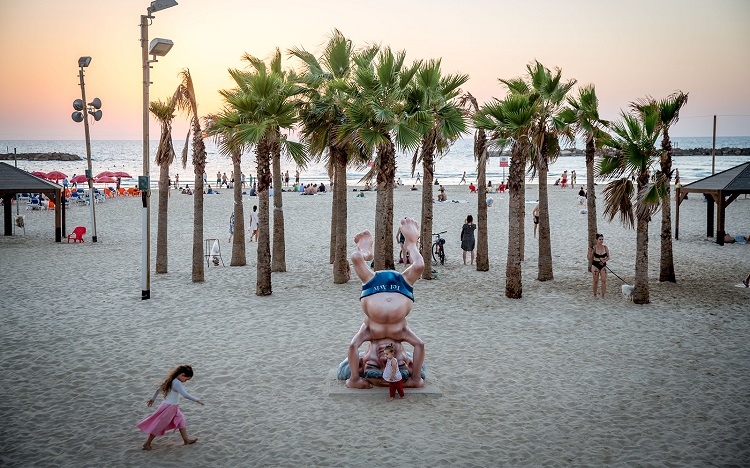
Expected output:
(610, 270)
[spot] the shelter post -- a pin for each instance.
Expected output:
(720, 219)
(709, 214)
(678, 201)
(58, 215)
(8, 214)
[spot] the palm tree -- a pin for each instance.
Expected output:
(634, 143)
(669, 113)
(262, 101)
(549, 128)
(511, 122)
(430, 92)
(187, 101)
(584, 116)
(377, 118)
(322, 115)
(222, 127)
(469, 103)
(291, 89)
(164, 111)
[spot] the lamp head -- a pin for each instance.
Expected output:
(97, 115)
(158, 5)
(77, 117)
(96, 103)
(78, 104)
(84, 62)
(160, 47)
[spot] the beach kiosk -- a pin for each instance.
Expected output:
(719, 189)
(14, 180)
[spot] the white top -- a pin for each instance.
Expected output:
(390, 365)
(254, 222)
(173, 397)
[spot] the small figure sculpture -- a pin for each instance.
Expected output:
(387, 298)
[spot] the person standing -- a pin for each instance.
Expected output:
(419, 179)
(296, 177)
(218, 179)
(535, 213)
(598, 256)
(573, 179)
(467, 237)
(392, 374)
(286, 179)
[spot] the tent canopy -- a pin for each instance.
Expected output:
(720, 189)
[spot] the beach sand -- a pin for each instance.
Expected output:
(555, 378)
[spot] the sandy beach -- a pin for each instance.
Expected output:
(556, 378)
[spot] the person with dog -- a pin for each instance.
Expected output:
(598, 255)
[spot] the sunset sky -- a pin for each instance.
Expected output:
(628, 49)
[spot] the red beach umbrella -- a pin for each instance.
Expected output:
(105, 174)
(123, 175)
(56, 175)
(79, 179)
(105, 180)
(41, 174)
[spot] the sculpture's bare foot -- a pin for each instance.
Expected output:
(358, 383)
(414, 383)
(364, 242)
(410, 229)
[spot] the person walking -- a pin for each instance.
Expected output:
(463, 179)
(254, 224)
(168, 415)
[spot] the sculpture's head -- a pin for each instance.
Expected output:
(372, 362)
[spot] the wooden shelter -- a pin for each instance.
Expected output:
(720, 189)
(14, 180)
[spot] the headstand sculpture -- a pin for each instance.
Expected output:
(387, 298)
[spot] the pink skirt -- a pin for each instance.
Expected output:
(166, 417)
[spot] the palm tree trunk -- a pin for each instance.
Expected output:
(641, 293)
(279, 246)
(198, 258)
(341, 273)
(666, 260)
(590, 192)
(483, 250)
(522, 215)
(239, 257)
(513, 286)
(384, 208)
(334, 222)
(263, 280)
(162, 222)
(545, 242)
(428, 168)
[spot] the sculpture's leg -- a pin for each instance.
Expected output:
(355, 380)
(415, 380)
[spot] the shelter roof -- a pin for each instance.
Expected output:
(736, 179)
(14, 180)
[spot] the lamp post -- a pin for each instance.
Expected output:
(158, 47)
(92, 108)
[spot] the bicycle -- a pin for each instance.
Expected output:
(438, 251)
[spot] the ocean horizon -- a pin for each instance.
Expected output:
(127, 155)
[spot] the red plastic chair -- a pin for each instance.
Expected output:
(77, 234)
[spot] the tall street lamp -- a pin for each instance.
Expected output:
(81, 114)
(157, 47)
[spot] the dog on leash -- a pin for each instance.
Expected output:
(627, 292)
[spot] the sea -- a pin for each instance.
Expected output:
(127, 156)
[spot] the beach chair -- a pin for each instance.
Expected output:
(24, 197)
(34, 204)
(212, 252)
(121, 191)
(77, 234)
